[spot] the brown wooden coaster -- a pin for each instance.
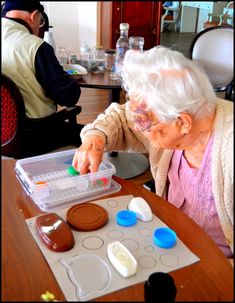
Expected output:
(87, 216)
(54, 232)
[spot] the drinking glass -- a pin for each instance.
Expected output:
(136, 43)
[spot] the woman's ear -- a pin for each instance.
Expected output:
(185, 123)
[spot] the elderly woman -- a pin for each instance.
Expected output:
(173, 114)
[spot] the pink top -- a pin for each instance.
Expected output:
(190, 190)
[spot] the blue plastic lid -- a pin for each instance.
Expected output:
(164, 237)
(126, 217)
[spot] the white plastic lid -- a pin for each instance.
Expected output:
(124, 26)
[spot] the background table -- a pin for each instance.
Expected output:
(128, 165)
(26, 274)
(102, 81)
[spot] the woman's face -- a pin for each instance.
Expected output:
(167, 135)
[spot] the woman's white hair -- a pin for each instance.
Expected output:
(168, 82)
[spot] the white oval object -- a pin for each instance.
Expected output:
(122, 260)
(141, 208)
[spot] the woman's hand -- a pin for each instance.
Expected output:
(89, 155)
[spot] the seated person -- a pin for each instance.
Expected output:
(174, 115)
(170, 13)
(32, 64)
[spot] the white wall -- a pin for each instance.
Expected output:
(73, 23)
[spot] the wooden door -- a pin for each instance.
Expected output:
(143, 17)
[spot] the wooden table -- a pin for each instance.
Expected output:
(102, 81)
(26, 274)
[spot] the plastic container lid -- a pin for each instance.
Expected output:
(164, 237)
(110, 51)
(87, 216)
(85, 48)
(98, 47)
(126, 218)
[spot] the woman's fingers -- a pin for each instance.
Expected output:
(95, 161)
(88, 156)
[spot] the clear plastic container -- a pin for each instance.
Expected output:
(46, 179)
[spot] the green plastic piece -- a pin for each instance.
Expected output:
(100, 182)
(72, 171)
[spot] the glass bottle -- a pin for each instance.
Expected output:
(122, 46)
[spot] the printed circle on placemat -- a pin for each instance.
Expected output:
(92, 242)
(169, 260)
(149, 248)
(130, 244)
(144, 231)
(147, 262)
(112, 203)
(87, 216)
(115, 234)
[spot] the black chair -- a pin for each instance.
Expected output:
(213, 49)
(19, 132)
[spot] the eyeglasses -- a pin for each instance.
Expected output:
(143, 124)
(42, 21)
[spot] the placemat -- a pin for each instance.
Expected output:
(85, 272)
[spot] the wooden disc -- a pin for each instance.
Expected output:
(87, 216)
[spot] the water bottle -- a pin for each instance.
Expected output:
(85, 56)
(48, 37)
(122, 46)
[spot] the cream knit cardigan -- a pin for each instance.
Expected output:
(120, 135)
